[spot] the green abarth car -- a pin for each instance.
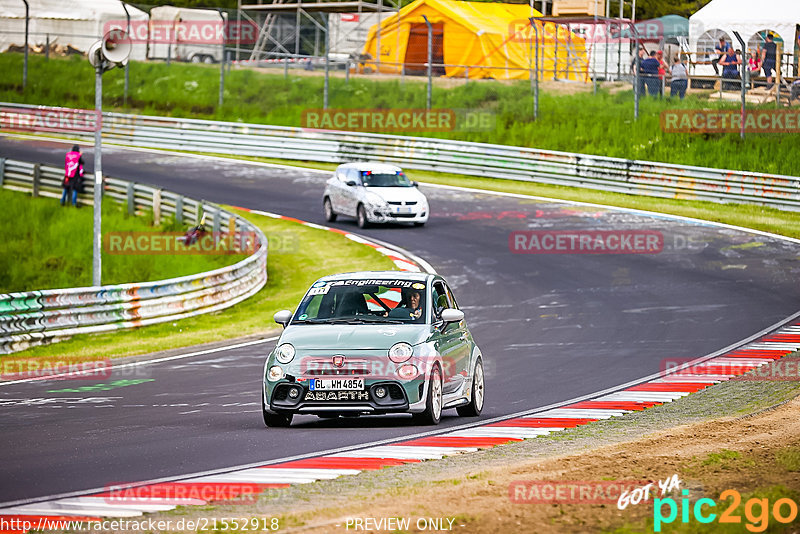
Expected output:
(373, 343)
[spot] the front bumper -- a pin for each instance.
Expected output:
(294, 396)
(386, 214)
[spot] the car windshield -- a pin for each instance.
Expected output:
(384, 179)
(362, 302)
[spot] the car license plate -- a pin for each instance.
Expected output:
(400, 209)
(340, 384)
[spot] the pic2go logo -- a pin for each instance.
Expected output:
(756, 511)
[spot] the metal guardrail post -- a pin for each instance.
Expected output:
(216, 225)
(179, 209)
(198, 213)
(37, 178)
(156, 207)
(2, 170)
(130, 196)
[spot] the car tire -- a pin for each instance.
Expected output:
(197, 58)
(475, 405)
(433, 402)
(330, 215)
(361, 216)
(208, 59)
(278, 420)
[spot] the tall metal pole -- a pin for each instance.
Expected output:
(430, 56)
(619, 44)
(327, 64)
(744, 77)
(594, 49)
(127, 77)
(637, 59)
(97, 267)
(221, 64)
(535, 71)
(238, 28)
(25, 61)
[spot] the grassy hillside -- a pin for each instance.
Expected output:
(48, 246)
(582, 122)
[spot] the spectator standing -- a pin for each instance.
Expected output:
(768, 57)
(680, 79)
(73, 175)
(648, 69)
(730, 70)
(720, 50)
(662, 71)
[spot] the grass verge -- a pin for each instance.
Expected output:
(49, 246)
(305, 254)
(581, 122)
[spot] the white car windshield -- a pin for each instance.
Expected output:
(363, 301)
(384, 179)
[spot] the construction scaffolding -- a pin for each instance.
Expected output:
(295, 29)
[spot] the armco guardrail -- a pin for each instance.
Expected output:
(38, 317)
(458, 157)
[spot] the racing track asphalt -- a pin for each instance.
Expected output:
(552, 327)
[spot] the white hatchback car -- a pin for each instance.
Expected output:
(374, 193)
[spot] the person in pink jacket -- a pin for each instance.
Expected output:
(73, 175)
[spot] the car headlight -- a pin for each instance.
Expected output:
(275, 373)
(284, 353)
(400, 352)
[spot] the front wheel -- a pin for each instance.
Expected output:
(475, 405)
(361, 216)
(330, 215)
(275, 419)
(433, 403)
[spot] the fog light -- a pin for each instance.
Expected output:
(294, 392)
(380, 392)
(275, 373)
(407, 371)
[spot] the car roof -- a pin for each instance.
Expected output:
(378, 275)
(371, 166)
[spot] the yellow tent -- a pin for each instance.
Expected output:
(494, 39)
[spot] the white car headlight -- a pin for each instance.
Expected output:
(400, 352)
(284, 353)
(275, 373)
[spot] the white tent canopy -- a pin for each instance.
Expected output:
(720, 18)
(78, 23)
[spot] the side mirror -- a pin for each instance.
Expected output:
(350, 183)
(415, 183)
(451, 315)
(284, 316)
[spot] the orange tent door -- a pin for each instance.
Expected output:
(417, 50)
